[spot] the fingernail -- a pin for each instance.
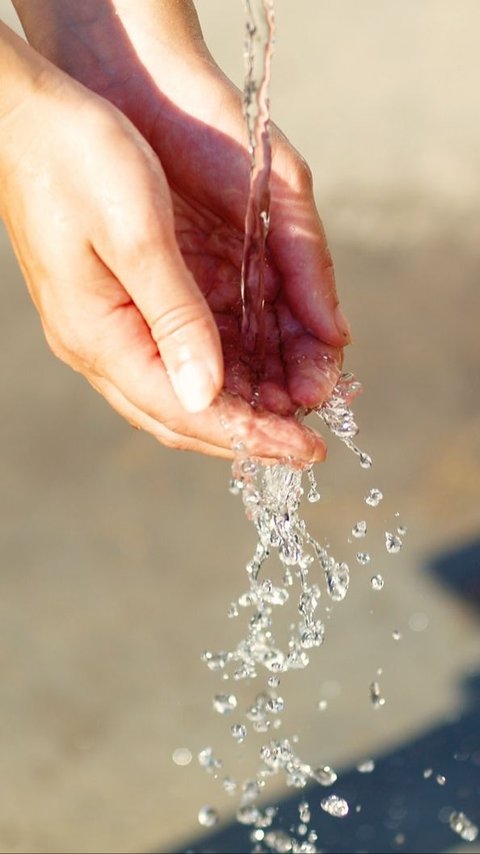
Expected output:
(342, 324)
(193, 386)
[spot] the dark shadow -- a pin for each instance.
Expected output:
(401, 809)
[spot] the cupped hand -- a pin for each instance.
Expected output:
(90, 214)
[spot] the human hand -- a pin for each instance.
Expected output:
(194, 122)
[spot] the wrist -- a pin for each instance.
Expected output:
(22, 72)
(105, 44)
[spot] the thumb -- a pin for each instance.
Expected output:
(156, 278)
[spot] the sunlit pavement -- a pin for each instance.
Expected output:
(119, 559)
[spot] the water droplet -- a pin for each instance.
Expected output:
(441, 779)
(374, 497)
(279, 840)
(182, 756)
(396, 635)
(304, 812)
(359, 529)
(313, 494)
(215, 661)
(377, 582)
(363, 558)
(248, 814)
(462, 825)
(427, 773)
(322, 705)
(273, 681)
(207, 816)
(338, 807)
(401, 530)
(239, 732)
(365, 460)
(324, 775)
(248, 467)
(376, 696)
(208, 761)
(393, 543)
(276, 705)
(232, 611)
(337, 576)
(224, 703)
(366, 767)
(230, 786)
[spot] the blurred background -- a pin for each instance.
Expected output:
(119, 559)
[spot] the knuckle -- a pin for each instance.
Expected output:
(182, 317)
(302, 176)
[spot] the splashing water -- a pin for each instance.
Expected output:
(272, 497)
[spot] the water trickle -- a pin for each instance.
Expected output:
(313, 494)
(462, 825)
(258, 55)
(272, 497)
(338, 807)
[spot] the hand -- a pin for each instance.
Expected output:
(204, 160)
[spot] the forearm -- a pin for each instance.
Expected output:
(93, 37)
(21, 71)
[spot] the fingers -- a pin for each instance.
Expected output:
(124, 357)
(312, 367)
(142, 421)
(142, 252)
(299, 249)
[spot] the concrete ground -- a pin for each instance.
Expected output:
(118, 558)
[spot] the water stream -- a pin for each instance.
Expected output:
(290, 571)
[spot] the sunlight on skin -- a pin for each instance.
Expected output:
(191, 117)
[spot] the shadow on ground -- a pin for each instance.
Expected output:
(406, 803)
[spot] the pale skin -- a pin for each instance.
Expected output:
(123, 186)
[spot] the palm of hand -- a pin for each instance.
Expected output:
(208, 174)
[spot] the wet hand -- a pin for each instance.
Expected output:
(90, 214)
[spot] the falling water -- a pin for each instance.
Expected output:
(258, 55)
(272, 496)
